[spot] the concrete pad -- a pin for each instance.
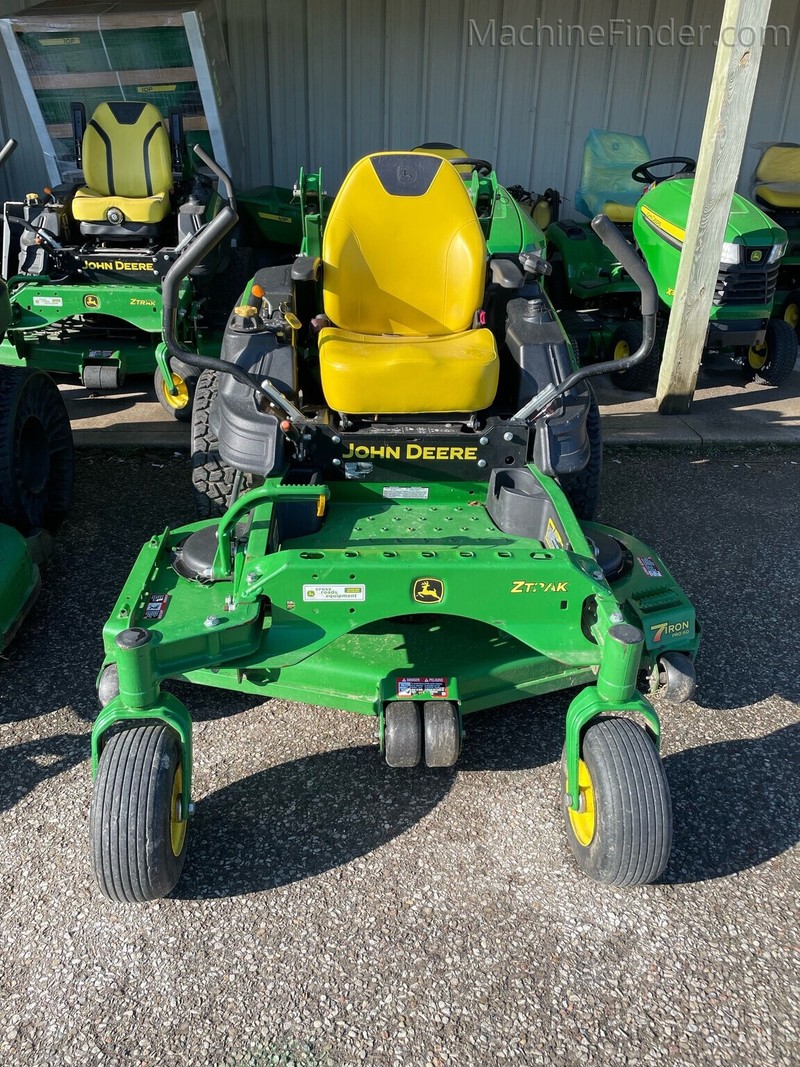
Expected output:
(727, 409)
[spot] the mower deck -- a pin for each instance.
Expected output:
(389, 591)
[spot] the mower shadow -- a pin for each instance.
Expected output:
(735, 805)
(299, 819)
(25, 766)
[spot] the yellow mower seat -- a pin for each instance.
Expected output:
(126, 164)
(618, 212)
(403, 273)
(778, 176)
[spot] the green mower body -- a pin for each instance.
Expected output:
(86, 294)
(403, 559)
(598, 300)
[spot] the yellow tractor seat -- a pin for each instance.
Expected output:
(618, 212)
(446, 151)
(403, 274)
(778, 177)
(128, 170)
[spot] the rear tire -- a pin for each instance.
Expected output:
(781, 354)
(624, 341)
(623, 834)
(138, 843)
(212, 478)
(37, 463)
(582, 489)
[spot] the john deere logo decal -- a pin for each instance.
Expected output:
(428, 591)
(755, 257)
(91, 301)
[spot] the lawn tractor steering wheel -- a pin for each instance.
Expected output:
(482, 166)
(644, 174)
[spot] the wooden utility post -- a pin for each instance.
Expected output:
(741, 37)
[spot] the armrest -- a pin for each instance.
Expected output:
(305, 269)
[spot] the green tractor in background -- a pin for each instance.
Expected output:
(597, 300)
(36, 475)
(85, 262)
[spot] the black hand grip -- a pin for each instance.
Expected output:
(7, 150)
(626, 254)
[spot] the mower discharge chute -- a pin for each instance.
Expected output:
(597, 300)
(85, 262)
(36, 475)
(405, 427)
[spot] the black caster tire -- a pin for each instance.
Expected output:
(108, 685)
(624, 341)
(442, 729)
(677, 679)
(402, 734)
(774, 361)
(37, 463)
(178, 405)
(136, 834)
(212, 479)
(582, 489)
(623, 834)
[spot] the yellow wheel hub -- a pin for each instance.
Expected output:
(179, 399)
(583, 821)
(621, 350)
(791, 314)
(177, 825)
(757, 356)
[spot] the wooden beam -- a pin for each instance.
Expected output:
(739, 50)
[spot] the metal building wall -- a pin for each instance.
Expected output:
(25, 171)
(322, 81)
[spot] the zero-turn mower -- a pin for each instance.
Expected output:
(36, 475)
(405, 532)
(85, 262)
(599, 303)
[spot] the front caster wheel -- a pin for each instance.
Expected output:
(677, 680)
(622, 833)
(137, 830)
(402, 734)
(178, 404)
(442, 733)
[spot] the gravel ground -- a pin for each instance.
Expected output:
(333, 912)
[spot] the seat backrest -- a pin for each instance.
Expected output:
(126, 151)
(403, 251)
(446, 151)
(608, 159)
(780, 163)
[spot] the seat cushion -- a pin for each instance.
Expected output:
(90, 206)
(398, 375)
(778, 176)
(618, 212)
(779, 194)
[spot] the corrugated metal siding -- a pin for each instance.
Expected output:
(339, 78)
(321, 82)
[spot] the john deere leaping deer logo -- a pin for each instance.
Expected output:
(428, 591)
